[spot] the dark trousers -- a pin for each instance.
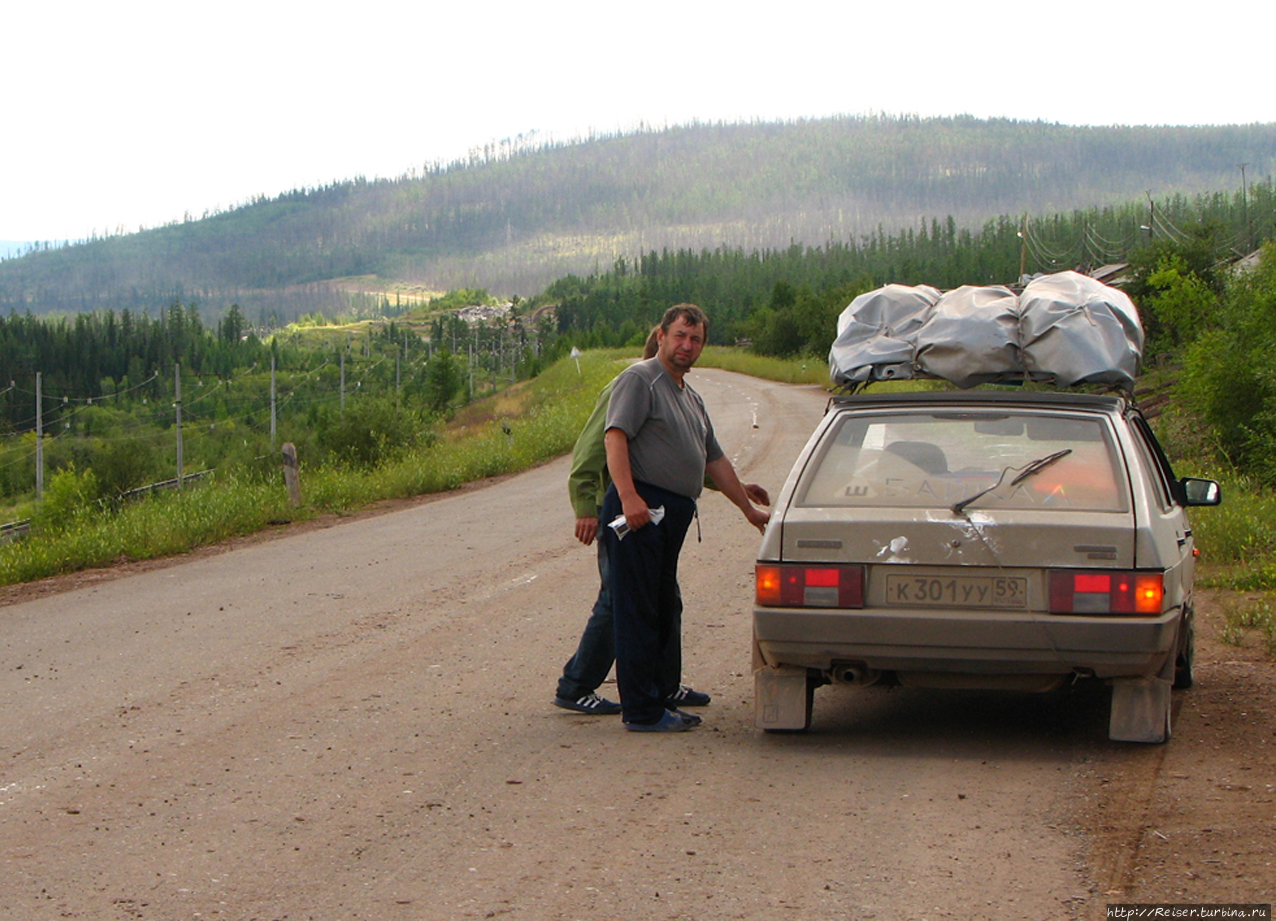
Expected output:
(646, 602)
(586, 670)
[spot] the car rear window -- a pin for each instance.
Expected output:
(938, 459)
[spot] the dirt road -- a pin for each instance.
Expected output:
(354, 722)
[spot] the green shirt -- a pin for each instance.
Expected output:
(588, 481)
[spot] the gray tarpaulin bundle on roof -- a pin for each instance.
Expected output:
(1063, 329)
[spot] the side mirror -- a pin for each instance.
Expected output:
(1200, 492)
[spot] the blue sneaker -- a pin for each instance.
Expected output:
(671, 721)
(687, 697)
(591, 703)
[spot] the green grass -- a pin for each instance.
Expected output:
(1237, 539)
(785, 370)
(164, 524)
(552, 410)
(1247, 618)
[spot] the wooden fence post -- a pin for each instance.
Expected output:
(292, 474)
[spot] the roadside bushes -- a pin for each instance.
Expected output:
(373, 432)
(1230, 370)
(70, 494)
(124, 465)
(1178, 304)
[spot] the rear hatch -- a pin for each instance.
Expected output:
(914, 491)
(937, 537)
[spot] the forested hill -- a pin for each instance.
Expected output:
(514, 218)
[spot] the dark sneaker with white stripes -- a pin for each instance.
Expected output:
(590, 703)
(687, 697)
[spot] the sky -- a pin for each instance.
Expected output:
(136, 113)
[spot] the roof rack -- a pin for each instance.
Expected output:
(1122, 389)
(1062, 330)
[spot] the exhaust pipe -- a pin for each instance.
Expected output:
(859, 675)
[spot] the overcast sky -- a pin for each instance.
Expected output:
(135, 112)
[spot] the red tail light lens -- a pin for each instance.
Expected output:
(1106, 592)
(810, 586)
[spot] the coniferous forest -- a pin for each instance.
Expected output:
(786, 301)
(516, 216)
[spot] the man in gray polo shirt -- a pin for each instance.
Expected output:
(659, 443)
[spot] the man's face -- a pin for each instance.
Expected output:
(681, 344)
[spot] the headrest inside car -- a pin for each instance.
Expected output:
(921, 454)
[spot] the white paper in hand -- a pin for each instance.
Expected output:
(621, 526)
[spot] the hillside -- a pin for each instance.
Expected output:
(515, 219)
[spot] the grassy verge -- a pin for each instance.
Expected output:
(161, 525)
(543, 418)
(785, 370)
(1249, 618)
(1237, 539)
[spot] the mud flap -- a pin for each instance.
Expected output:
(1140, 710)
(780, 698)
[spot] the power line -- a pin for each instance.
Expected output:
(1167, 228)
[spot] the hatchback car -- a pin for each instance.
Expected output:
(994, 539)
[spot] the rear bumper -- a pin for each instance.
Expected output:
(965, 642)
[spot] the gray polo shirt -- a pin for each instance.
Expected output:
(670, 435)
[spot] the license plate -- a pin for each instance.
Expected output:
(1009, 592)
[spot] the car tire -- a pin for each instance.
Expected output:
(1184, 662)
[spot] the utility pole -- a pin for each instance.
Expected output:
(39, 438)
(272, 401)
(1023, 248)
(177, 392)
(398, 381)
(1244, 206)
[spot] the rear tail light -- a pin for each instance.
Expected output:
(1106, 592)
(828, 586)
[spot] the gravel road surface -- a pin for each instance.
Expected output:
(355, 722)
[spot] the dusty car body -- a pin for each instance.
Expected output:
(995, 539)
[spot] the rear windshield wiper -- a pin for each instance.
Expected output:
(1032, 468)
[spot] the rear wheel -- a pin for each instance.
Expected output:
(1184, 676)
